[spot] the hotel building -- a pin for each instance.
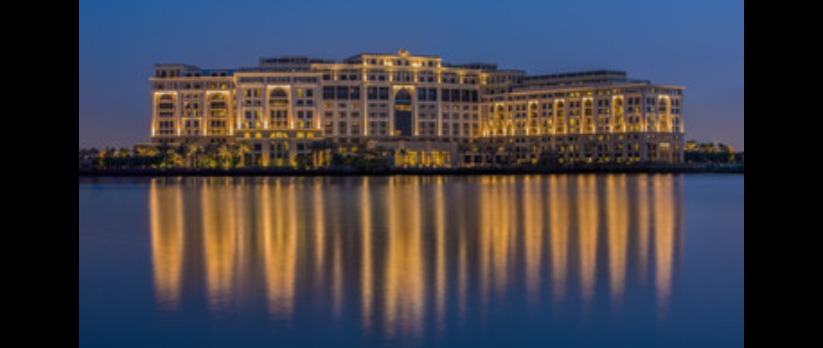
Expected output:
(418, 110)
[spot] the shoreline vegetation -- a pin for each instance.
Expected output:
(193, 159)
(727, 168)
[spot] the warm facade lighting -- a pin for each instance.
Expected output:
(405, 99)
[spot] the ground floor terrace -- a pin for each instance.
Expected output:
(308, 148)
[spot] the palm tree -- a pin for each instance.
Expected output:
(172, 158)
(224, 155)
(146, 151)
(205, 157)
(190, 149)
(240, 150)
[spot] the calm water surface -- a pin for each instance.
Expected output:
(482, 261)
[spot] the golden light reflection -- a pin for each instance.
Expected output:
(559, 233)
(617, 221)
(505, 233)
(533, 231)
(220, 242)
(319, 227)
(663, 240)
(404, 287)
(367, 281)
(488, 217)
(643, 216)
(336, 249)
(462, 253)
(279, 245)
(497, 232)
(401, 246)
(588, 224)
(440, 243)
(166, 242)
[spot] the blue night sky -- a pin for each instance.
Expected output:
(695, 43)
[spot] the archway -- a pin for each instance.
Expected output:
(403, 113)
(278, 97)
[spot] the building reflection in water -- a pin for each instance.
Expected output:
(220, 206)
(532, 221)
(366, 270)
(440, 245)
(404, 276)
(587, 220)
(559, 233)
(642, 222)
(407, 254)
(278, 243)
(166, 221)
(617, 224)
(665, 212)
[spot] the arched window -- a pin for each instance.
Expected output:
(587, 107)
(165, 102)
(217, 101)
(217, 104)
(662, 105)
(278, 97)
(403, 113)
(403, 96)
(501, 113)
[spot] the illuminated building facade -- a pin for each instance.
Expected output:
(419, 110)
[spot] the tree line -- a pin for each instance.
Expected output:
(189, 154)
(710, 152)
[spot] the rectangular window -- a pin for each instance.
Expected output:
(328, 93)
(342, 93)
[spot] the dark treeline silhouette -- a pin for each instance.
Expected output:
(185, 155)
(194, 157)
(710, 153)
